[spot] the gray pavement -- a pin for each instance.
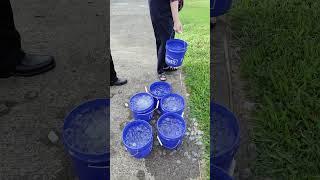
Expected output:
(74, 32)
(134, 54)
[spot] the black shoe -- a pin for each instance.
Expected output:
(32, 65)
(119, 82)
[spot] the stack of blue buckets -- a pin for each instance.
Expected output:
(143, 106)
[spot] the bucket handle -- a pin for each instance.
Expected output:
(171, 37)
(137, 151)
(170, 148)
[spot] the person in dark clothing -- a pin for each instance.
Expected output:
(114, 80)
(13, 60)
(165, 21)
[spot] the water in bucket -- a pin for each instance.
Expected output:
(87, 132)
(171, 127)
(172, 103)
(159, 89)
(141, 102)
(137, 136)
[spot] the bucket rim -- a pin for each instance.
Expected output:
(159, 82)
(143, 111)
(172, 94)
(128, 126)
(71, 148)
(177, 116)
(237, 126)
(177, 40)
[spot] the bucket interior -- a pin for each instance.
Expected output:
(84, 131)
(171, 126)
(141, 102)
(225, 130)
(160, 89)
(172, 103)
(137, 134)
(176, 45)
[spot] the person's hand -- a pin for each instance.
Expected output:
(177, 27)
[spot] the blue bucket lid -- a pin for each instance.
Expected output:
(226, 129)
(171, 121)
(137, 126)
(172, 103)
(71, 124)
(160, 89)
(141, 102)
(176, 45)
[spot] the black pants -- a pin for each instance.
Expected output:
(163, 31)
(10, 42)
(113, 74)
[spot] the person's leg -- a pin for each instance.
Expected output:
(165, 33)
(114, 80)
(113, 74)
(13, 61)
(158, 42)
(10, 44)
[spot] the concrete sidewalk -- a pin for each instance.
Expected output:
(134, 54)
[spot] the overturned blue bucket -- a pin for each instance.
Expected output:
(175, 52)
(217, 173)
(86, 141)
(171, 130)
(160, 89)
(172, 103)
(137, 138)
(225, 133)
(142, 106)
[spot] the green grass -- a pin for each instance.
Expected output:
(196, 23)
(280, 54)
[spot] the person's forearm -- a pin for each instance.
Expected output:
(174, 10)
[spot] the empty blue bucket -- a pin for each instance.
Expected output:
(159, 89)
(217, 173)
(84, 125)
(171, 130)
(172, 103)
(137, 138)
(225, 133)
(142, 106)
(219, 7)
(175, 51)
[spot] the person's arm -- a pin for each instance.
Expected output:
(175, 15)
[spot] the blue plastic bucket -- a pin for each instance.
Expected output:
(217, 173)
(142, 106)
(225, 133)
(172, 103)
(159, 89)
(137, 138)
(219, 7)
(175, 51)
(171, 130)
(88, 165)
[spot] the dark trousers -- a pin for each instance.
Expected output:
(113, 74)
(10, 42)
(163, 31)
